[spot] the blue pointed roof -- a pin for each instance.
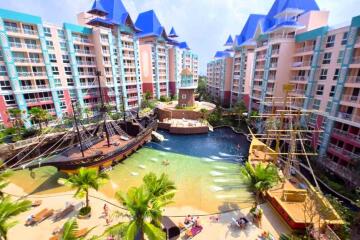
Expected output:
(229, 41)
(249, 28)
(173, 33)
(116, 12)
(183, 45)
(150, 25)
(97, 9)
(221, 54)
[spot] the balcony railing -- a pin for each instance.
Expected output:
(275, 51)
(39, 74)
(344, 115)
(299, 78)
(32, 46)
(273, 65)
(351, 98)
(85, 63)
(42, 86)
(356, 60)
(353, 79)
(302, 64)
(80, 51)
(347, 134)
(30, 31)
(305, 49)
(16, 44)
(13, 29)
(83, 40)
(25, 74)
(299, 91)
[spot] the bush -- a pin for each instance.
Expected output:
(164, 99)
(84, 211)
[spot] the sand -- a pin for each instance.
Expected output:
(212, 230)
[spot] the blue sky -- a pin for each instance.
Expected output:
(204, 24)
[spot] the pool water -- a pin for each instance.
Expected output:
(205, 169)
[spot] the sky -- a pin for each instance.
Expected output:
(203, 24)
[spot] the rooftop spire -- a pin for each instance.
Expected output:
(229, 41)
(173, 33)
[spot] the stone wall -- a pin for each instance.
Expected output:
(189, 130)
(178, 114)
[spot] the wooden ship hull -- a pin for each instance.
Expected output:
(100, 156)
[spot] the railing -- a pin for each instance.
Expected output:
(32, 46)
(356, 60)
(13, 29)
(344, 115)
(353, 79)
(107, 62)
(273, 65)
(346, 134)
(106, 52)
(27, 87)
(39, 73)
(85, 63)
(83, 51)
(299, 78)
(30, 32)
(25, 74)
(305, 49)
(351, 98)
(299, 91)
(42, 86)
(83, 40)
(16, 44)
(275, 51)
(302, 64)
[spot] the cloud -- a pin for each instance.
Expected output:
(204, 24)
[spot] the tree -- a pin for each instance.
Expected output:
(145, 205)
(240, 109)
(3, 181)
(143, 208)
(83, 181)
(70, 229)
(8, 210)
(260, 178)
(87, 112)
(39, 115)
(201, 89)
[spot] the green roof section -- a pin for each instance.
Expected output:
(355, 22)
(78, 28)
(311, 35)
(21, 17)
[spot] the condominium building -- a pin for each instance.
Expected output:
(293, 44)
(153, 54)
(219, 76)
(45, 65)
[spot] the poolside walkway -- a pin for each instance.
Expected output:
(221, 230)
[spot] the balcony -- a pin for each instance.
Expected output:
(30, 32)
(299, 92)
(106, 52)
(39, 74)
(32, 46)
(83, 40)
(345, 116)
(299, 79)
(80, 51)
(25, 74)
(351, 99)
(305, 49)
(27, 60)
(356, 60)
(86, 73)
(85, 63)
(13, 29)
(273, 65)
(275, 51)
(346, 134)
(353, 79)
(301, 64)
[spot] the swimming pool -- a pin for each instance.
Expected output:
(205, 168)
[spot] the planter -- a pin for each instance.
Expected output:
(84, 213)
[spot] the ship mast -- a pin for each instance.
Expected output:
(77, 128)
(103, 108)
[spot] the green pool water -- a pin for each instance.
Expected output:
(210, 184)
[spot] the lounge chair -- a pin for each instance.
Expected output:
(66, 211)
(41, 216)
(184, 226)
(193, 232)
(78, 234)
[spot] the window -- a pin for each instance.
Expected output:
(62, 105)
(63, 46)
(344, 38)
(316, 104)
(55, 70)
(320, 90)
(332, 91)
(328, 106)
(57, 82)
(323, 74)
(5, 85)
(52, 58)
(340, 57)
(47, 31)
(183, 96)
(70, 82)
(68, 70)
(60, 33)
(60, 94)
(49, 44)
(3, 71)
(327, 58)
(9, 99)
(65, 58)
(336, 74)
(330, 41)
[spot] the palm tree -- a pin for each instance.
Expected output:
(260, 178)
(39, 115)
(143, 208)
(8, 210)
(3, 181)
(70, 229)
(240, 109)
(161, 188)
(83, 181)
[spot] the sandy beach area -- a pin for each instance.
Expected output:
(217, 230)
